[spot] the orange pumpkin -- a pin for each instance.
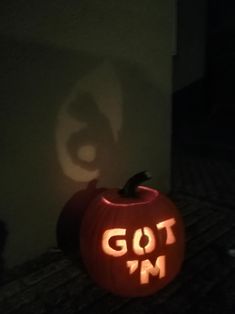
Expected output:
(132, 240)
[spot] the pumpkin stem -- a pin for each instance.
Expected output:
(130, 188)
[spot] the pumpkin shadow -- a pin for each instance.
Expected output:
(3, 240)
(70, 218)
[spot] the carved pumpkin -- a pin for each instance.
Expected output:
(132, 240)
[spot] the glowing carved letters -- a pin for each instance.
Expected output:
(146, 267)
(108, 234)
(133, 265)
(139, 233)
(149, 247)
(170, 237)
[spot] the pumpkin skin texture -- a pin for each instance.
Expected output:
(125, 244)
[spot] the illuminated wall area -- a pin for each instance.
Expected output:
(86, 95)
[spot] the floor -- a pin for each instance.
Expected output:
(203, 177)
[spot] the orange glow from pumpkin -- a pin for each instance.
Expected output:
(133, 265)
(152, 195)
(149, 247)
(147, 268)
(137, 237)
(170, 237)
(108, 234)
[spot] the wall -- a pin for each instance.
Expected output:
(221, 57)
(86, 94)
(189, 62)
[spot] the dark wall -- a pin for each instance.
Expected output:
(221, 55)
(190, 58)
(86, 93)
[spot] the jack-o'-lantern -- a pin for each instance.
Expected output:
(132, 240)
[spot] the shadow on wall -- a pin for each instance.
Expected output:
(68, 118)
(69, 222)
(88, 125)
(98, 130)
(108, 123)
(89, 137)
(3, 239)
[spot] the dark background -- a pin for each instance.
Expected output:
(204, 110)
(203, 187)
